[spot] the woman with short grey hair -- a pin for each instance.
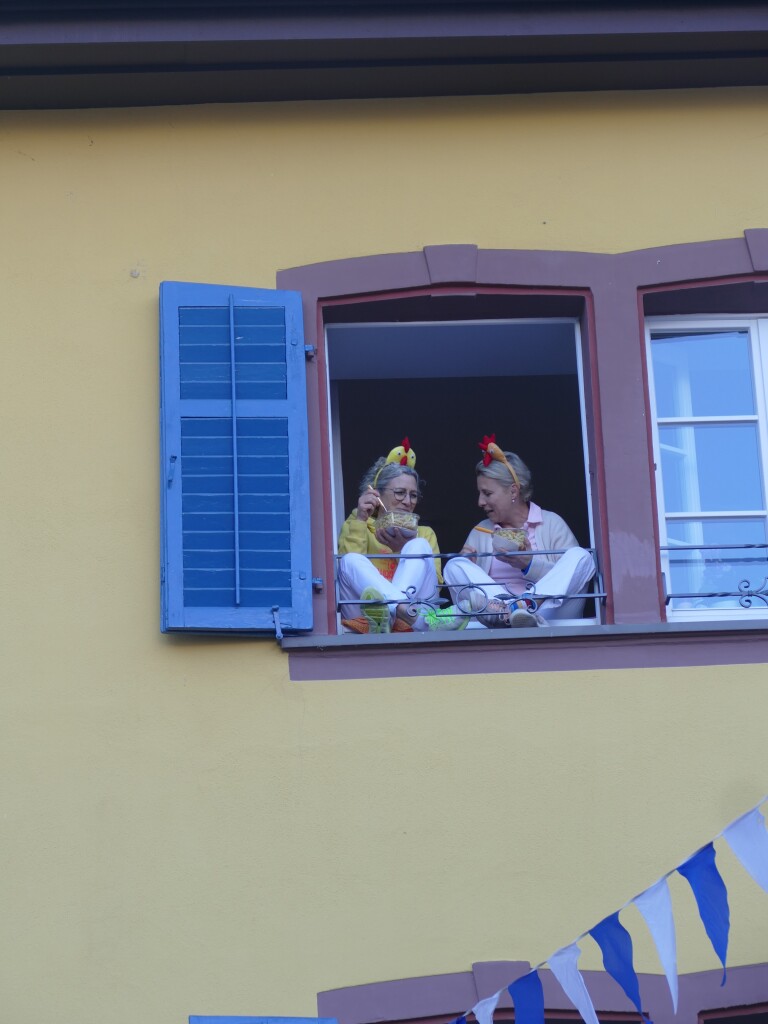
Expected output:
(498, 576)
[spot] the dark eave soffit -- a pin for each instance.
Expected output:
(100, 53)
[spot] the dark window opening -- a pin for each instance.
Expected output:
(445, 370)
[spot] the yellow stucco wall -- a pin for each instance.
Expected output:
(186, 830)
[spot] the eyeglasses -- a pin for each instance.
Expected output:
(401, 493)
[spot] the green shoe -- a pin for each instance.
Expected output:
(446, 618)
(376, 614)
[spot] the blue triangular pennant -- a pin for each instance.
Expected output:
(711, 898)
(615, 944)
(528, 997)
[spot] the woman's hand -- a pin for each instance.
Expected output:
(469, 552)
(367, 504)
(394, 538)
(519, 561)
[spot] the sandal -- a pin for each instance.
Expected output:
(500, 613)
(495, 614)
(377, 613)
(526, 618)
(445, 618)
(362, 625)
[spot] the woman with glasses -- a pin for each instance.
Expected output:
(391, 588)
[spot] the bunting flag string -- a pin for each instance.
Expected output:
(747, 837)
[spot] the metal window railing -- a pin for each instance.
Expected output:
(716, 570)
(475, 605)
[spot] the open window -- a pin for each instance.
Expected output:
(710, 430)
(445, 381)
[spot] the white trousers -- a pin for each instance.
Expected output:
(569, 575)
(415, 579)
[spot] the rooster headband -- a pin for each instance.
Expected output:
(492, 453)
(403, 455)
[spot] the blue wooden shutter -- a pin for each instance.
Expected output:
(234, 460)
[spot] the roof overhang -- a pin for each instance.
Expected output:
(100, 54)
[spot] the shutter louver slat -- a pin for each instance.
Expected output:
(236, 468)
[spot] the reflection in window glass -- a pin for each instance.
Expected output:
(703, 374)
(711, 468)
(706, 576)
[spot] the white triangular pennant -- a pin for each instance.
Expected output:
(748, 838)
(564, 966)
(655, 904)
(485, 1008)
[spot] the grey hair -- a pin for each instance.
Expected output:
(389, 470)
(498, 471)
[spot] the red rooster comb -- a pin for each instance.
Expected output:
(492, 453)
(483, 445)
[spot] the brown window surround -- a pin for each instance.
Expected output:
(439, 999)
(737, 1015)
(610, 293)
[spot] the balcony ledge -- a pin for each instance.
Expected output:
(559, 648)
(489, 637)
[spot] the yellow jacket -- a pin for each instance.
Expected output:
(359, 536)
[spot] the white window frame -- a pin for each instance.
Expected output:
(758, 336)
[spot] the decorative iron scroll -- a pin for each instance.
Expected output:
(744, 591)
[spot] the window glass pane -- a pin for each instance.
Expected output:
(703, 374)
(711, 468)
(716, 570)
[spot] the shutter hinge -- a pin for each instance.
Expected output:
(310, 351)
(318, 583)
(276, 620)
(171, 468)
(162, 573)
